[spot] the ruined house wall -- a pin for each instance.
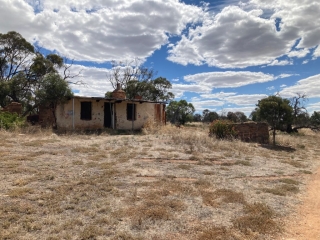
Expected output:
(64, 114)
(144, 111)
(46, 118)
(252, 132)
(13, 107)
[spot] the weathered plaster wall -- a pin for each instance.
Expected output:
(144, 111)
(64, 115)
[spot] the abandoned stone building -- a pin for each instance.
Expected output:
(92, 113)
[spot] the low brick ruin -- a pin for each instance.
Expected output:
(252, 132)
(13, 107)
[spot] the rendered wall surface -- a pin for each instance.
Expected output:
(64, 114)
(144, 111)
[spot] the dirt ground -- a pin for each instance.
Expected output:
(166, 183)
(305, 223)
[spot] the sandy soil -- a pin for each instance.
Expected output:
(305, 223)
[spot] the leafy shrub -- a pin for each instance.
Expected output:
(222, 129)
(10, 120)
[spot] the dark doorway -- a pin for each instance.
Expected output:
(108, 115)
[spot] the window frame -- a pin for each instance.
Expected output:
(85, 108)
(131, 107)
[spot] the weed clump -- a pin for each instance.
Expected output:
(258, 218)
(222, 129)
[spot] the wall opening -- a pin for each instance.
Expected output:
(108, 114)
(131, 111)
(86, 111)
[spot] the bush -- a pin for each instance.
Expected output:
(10, 120)
(222, 129)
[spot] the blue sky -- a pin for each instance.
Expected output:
(220, 55)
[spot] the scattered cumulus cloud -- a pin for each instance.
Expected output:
(309, 86)
(299, 53)
(246, 35)
(229, 79)
(270, 88)
(316, 52)
(285, 75)
(97, 30)
(245, 99)
(280, 63)
(220, 95)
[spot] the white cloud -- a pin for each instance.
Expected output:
(246, 110)
(299, 53)
(245, 99)
(229, 79)
(283, 85)
(313, 107)
(316, 52)
(97, 30)
(270, 88)
(280, 63)
(220, 95)
(95, 82)
(309, 86)
(237, 38)
(208, 104)
(285, 75)
(179, 89)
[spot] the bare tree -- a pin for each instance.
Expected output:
(123, 72)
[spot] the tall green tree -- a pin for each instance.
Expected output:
(208, 116)
(237, 117)
(276, 111)
(180, 112)
(315, 120)
(23, 69)
(54, 90)
(152, 90)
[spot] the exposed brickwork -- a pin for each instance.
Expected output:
(13, 107)
(118, 93)
(46, 117)
(252, 132)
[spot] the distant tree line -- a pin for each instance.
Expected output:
(208, 116)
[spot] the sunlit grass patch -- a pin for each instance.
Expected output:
(19, 192)
(294, 163)
(258, 218)
(282, 190)
(215, 232)
(39, 142)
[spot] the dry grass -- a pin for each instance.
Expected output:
(167, 183)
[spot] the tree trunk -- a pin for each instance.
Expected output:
(274, 136)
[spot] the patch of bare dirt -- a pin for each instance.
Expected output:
(305, 223)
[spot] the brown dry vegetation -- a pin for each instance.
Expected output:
(166, 183)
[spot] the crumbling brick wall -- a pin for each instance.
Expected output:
(46, 117)
(252, 132)
(13, 107)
